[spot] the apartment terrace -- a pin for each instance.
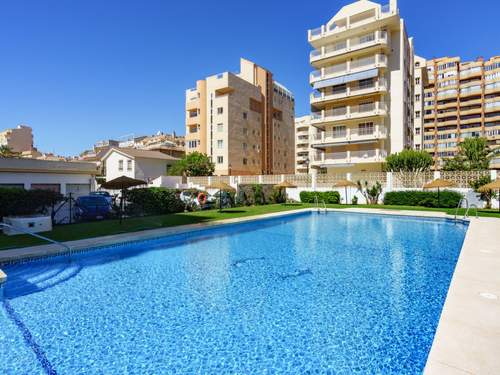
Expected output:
(347, 91)
(349, 157)
(348, 135)
(376, 17)
(348, 112)
(362, 44)
(358, 65)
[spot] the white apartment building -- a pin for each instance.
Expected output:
(304, 135)
(420, 77)
(362, 100)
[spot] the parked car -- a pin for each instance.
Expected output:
(92, 207)
(104, 194)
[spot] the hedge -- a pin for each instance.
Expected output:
(153, 201)
(330, 197)
(17, 201)
(447, 198)
(258, 194)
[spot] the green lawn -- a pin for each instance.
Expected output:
(109, 227)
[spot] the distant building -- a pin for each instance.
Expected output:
(421, 80)
(461, 100)
(305, 134)
(244, 122)
(64, 177)
(19, 139)
(140, 164)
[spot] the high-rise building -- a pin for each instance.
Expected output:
(363, 87)
(304, 135)
(461, 100)
(244, 122)
(420, 82)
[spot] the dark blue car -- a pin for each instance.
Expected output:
(92, 207)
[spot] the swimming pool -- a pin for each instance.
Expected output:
(327, 293)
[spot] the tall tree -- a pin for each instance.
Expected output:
(408, 161)
(473, 154)
(193, 164)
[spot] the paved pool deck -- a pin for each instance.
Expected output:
(467, 339)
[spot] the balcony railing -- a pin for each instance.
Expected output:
(378, 60)
(346, 91)
(352, 44)
(357, 156)
(354, 111)
(351, 134)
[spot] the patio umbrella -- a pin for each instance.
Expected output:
(122, 183)
(285, 185)
(439, 183)
(344, 184)
(495, 185)
(221, 186)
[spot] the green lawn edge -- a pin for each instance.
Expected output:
(109, 227)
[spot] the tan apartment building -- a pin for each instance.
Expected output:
(18, 139)
(304, 134)
(363, 88)
(419, 84)
(462, 100)
(243, 121)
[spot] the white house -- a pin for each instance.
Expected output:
(65, 177)
(140, 164)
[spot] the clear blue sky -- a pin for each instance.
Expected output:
(82, 70)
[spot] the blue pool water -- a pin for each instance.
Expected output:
(332, 293)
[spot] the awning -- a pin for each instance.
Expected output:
(347, 78)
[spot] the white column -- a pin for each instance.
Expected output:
(314, 176)
(437, 174)
(389, 181)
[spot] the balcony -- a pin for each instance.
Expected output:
(349, 135)
(379, 85)
(325, 159)
(192, 119)
(348, 23)
(338, 70)
(192, 104)
(350, 45)
(349, 113)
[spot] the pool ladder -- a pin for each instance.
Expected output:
(317, 204)
(38, 236)
(467, 208)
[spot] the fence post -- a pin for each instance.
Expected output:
(437, 174)
(314, 181)
(209, 180)
(389, 183)
(494, 174)
(260, 179)
(282, 178)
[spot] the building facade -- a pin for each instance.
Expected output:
(461, 100)
(18, 139)
(244, 122)
(419, 84)
(362, 98)
(304, 135)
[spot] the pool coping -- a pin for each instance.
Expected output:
(468, 334)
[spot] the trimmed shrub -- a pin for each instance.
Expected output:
(16, 201)
(330, 197)
(257, 194)
(447, 198)
(153, 201)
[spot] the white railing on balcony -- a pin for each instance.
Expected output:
(345, 91)
(351, 134)
(347, 67)
(349, 111)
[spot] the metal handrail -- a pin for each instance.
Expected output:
(468, 208)
(324, 205)
(460, 205)
(37, 236)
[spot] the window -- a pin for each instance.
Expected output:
(220, 110)
(417, 81)
(220, 128)
(417, 147)
(417, 64)
(193, 144)
(245, 161)
(417, 114)
(245, 131)
(417, 97)
(220, 143)
(129, 165)
(417, 131)
(120, 165)
(244, 146)
(220, 159)
(245, 115)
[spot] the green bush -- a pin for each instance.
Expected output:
(330, 197)
(447, 198)
(257, 194)
(16, 201)
(153, 201)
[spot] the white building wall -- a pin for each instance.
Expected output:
(27, 179)
(149, 169)
(112, 166)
